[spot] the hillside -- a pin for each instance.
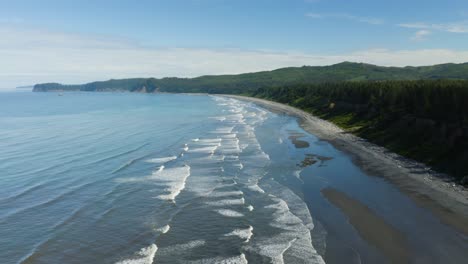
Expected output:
(346, 71)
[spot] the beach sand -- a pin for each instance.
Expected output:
(370, 226)
(435, 191)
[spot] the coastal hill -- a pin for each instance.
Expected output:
(418, 112)
(346, 71)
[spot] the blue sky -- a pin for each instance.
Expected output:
(80, 41)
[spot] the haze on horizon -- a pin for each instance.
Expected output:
(81, 41)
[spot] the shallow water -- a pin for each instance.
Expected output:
(136, 178)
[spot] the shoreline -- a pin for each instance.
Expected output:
(428, 189)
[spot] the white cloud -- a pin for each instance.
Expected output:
(368, 20)
(421, 35)
(29, 57)
(455, 27)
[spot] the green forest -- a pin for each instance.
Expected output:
(423, 120)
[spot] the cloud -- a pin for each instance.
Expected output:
(421, 35)
(368, 20)
(34, 56)
(455, 27)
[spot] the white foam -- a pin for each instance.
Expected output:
(229, 135)
(256, 188)
(144, 256)
(208, 150)
(295, 239)
(220, 260)
(195, 139)
(224, 202)
(181, 247)
(162, 160)
(223, 130)
(276, 251)
(209, 141)
(229, 213)
(244, 234)
(219, 118)
(173, 178)
(250, 208)
(297, 173)
(226, 193)
(164, 229)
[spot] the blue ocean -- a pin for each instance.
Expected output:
(165, 178)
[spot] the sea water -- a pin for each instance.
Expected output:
(131, 178)
(164, 178)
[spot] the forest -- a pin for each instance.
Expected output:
(426, 120)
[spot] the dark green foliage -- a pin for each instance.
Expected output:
(235, 84)
(424, 120)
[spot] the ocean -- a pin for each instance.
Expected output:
(165, 178)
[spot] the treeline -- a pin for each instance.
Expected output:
(423, 120)
(346, 71)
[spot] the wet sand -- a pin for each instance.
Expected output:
(295, 139)
(370, 226)
(429, 189)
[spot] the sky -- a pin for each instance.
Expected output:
(78, 41)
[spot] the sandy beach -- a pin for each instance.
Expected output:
(429, 189)
(387, 238)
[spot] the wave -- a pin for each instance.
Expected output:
(225, 193)
(229, 213)
(144, 256)
(119, 154)
(208, 150)
(295, 240)
(244, 234)
(53, 200)
(220, 260)
(219, 118)
(225, 202)
(223, 130)
(181, 247)
(172, 178)
(255, 188)
(161, 160)
(175, 179)
(297, 173)
(164, 229)
(276, 251)
(23, 192)
(209, 141)
(125, 165)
